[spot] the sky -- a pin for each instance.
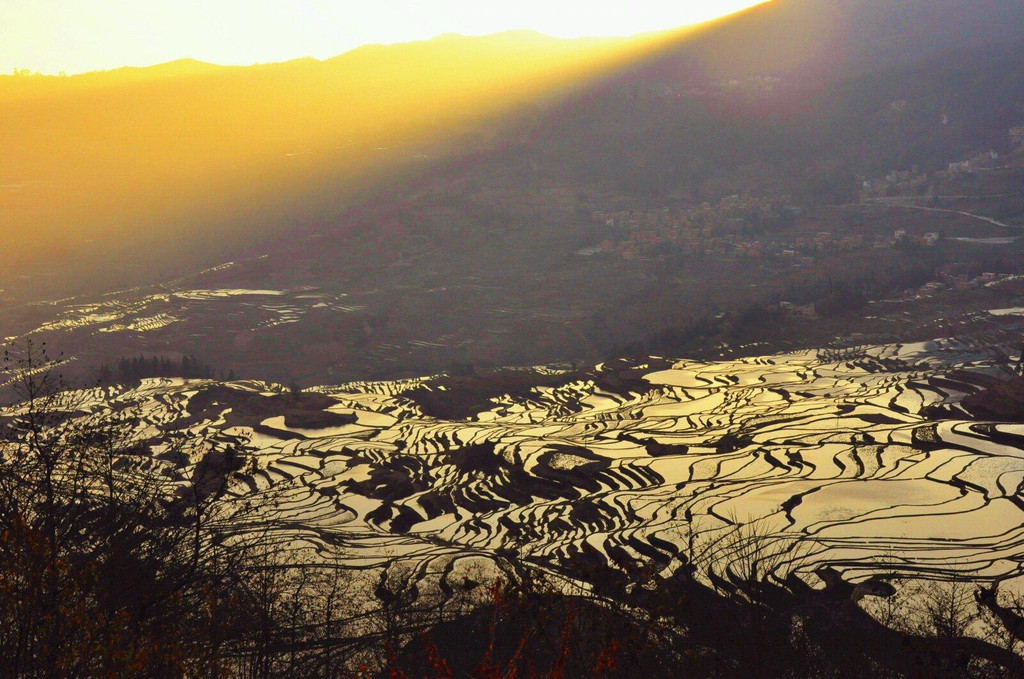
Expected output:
(75, 36)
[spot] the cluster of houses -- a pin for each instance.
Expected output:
(901, 236)
(950, 279)
(751, 86)
(801, 250)
(754, 228)
(914, 182)
(735, 226)
(896, 183)
(798, 310)
(980, 162)
(946, 280)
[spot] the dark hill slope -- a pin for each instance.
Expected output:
(825, 40)
(695, 138)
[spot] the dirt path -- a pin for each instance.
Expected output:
(983, 218)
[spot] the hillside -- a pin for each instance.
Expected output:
(628, 516)
(162, 166)
(602, 204)
(203, 160)
(817, 41)
(519, 356)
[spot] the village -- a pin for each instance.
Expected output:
(915, 183)
(758, 229)
(774, 231)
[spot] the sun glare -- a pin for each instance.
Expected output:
(125, 153)
(50, 36)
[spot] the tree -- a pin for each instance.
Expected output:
(127, 554)
(109, 553)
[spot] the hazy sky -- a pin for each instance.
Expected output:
(83, 35)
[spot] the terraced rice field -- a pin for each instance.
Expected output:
(831, 456)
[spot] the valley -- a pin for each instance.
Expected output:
(863, 459)
(484, 354)
(427, 295)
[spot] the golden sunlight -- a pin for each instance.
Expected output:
(187, 148)
(74, 36)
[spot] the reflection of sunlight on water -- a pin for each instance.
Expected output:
(989, 241)
(144, 324)
(79, 322)
(214, 294)
(17, 375)
(150, 312)
(831, 458)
